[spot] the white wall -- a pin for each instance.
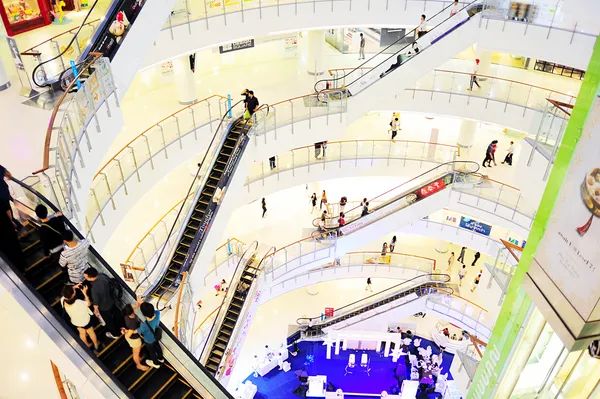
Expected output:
(505, 36)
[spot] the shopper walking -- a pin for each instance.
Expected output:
(368, 287)
(393, 244)
(509, 155)
(474, 76)
(51, 230)
(461, 256)
(462, 272)
(150, 331)
(394, 128)
(476, 258)
(476, 281)
(272, 163)
(263, 204)
(384, 249)
(343, 202)
(313, 201)
(422, 27)
(74, 257)
(450, 261)
(489, 154)
(361, 50)
(323, 200)
(132, 324)
(104, 299)
(80, 314)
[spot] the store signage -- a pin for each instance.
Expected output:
(213, 206)
(329, 312)
(474, 225)
(111, 34)
(568, 253)
(244, 44)
(431, 188)
(379, 213)
(451, 219)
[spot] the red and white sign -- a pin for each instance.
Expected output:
(328, 312)
(431, 188)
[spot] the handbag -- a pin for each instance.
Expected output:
(246, 115)
(156, 332)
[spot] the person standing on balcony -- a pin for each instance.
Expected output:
(272, 163)
(393, 244)
(490, 154)
(476, 282)
(422, 28)
(450, 262)
(368, 287)
(461, 256)
(474, 76)
(323, 200)
(462, 272)
(263, 204)
(509, 156)
(361, 50)
(384, 249)
(313, 201)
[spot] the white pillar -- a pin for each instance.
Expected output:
(466, 136)
(388, 345)
(184, 79)
(315, 64)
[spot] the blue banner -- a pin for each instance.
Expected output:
(474, 225)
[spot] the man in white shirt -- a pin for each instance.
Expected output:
(509, 155)
(454, 8)
(394, 128)
(474, 76)
(361, 50)
(422, 28)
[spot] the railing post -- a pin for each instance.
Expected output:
(508, 96)
(178, 132)
(292, 108)
(99, 208)
(498, 199)
(122, 176)
(164, 143)
(110, 194)
(194, 122)
(70, 157)
(149, 151)
(527, 101)
(224, 13)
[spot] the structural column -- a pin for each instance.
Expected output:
(466, 136)
(184, 79)
(314, 52)
(485, 61)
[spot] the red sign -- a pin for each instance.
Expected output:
(328, 312)
(431, 188)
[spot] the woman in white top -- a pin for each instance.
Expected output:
(454, 8)
(80, 314)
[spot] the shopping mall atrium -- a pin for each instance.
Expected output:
(280, 199)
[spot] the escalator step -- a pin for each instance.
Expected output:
(177, 389)
(217, 353)
(150, 385)
(115, 353)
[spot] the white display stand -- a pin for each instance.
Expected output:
(266, 366)
(409, 389)
(246, 391)
(316, 386)
(451, 345)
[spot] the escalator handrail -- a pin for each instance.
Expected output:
(362, 66)
(446, 277)
(405, 183)
(48, 141)
(186, 198)
(254, 247)
(232, 123)
(116, 278)
(83, 55)
(30, 51)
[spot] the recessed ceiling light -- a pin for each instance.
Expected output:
(24, 376)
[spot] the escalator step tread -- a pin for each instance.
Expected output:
(148, 386)
(177, 389)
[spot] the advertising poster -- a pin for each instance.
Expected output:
(113, 33)
(14, 51)
(474, 225)
(568, 252)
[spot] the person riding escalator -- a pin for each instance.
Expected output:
(402, 58)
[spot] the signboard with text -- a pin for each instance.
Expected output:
(229, 47)
(431, 188)
(474, 225)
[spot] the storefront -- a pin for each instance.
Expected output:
(24, 15)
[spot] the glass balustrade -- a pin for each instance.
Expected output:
(464, 311)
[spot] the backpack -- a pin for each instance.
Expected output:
(390, 124)
(115, 290)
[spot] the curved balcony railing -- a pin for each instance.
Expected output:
(348, 150)
(196, 10)
(168, 136)
(464, 311)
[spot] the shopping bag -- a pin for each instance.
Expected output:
(246, 115)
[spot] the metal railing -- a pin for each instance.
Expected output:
(196, 10)
(464, 311)
(72, 122)
(167, 137)
(353, 150)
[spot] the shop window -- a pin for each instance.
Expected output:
(557, 69)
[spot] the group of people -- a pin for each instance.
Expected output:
(388, 248)
(462, 271)
(321, 145)
(490, 154)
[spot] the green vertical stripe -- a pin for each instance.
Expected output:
(516, 304)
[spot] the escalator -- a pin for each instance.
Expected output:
(231, 314)
(228, 153)
(45, 279)
(408, 63)
(424, 284)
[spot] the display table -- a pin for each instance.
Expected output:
(316, 386)
(267, 366)
(451, 345)
(246, 391)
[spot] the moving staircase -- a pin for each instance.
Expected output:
(198, 223)
(433, 283)
(236, 304)
(44, 275)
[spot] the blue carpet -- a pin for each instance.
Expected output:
(280, 385)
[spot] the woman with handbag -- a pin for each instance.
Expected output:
(80, 314)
